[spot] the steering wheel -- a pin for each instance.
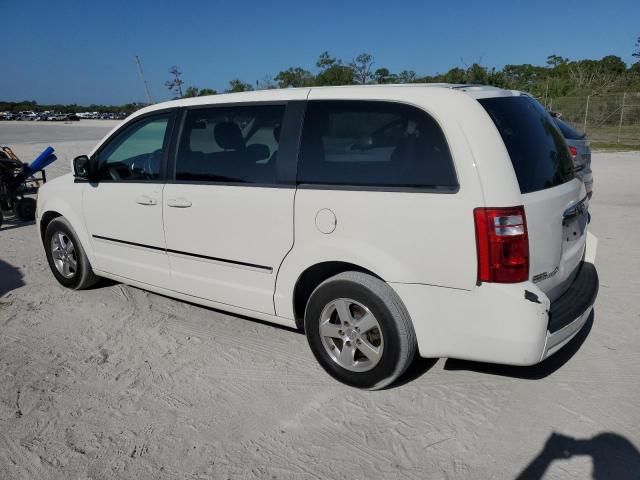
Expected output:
(145, 166)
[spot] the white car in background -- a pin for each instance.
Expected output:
(386, 221)
(27, 115)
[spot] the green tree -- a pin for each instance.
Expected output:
(556, 60)
(476, 73)
(335, 75)
(191, 91)
(614, 64)
(383, 75)
(294, 77)
(407, 76)
(326, 61)
(332, 71)
(175, 84)
(591, 77)
(237, 85)
(455, 75)
(361, 66)
(521, 77)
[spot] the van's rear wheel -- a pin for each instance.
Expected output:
(66, 257)
(359, 330)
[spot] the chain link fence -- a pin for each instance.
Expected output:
(606, 119)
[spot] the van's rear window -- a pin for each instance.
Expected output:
(537, 149)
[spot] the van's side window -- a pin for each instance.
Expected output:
(136, 153)
(371, 143)
(230, 144)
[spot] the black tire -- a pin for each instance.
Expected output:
(1, 218)
(83, 276)
(26, 209)
(395, 327)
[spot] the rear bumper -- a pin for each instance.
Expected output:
(569, 313)
(513, 324)
(577, 299)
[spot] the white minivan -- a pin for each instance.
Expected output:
(386, 221)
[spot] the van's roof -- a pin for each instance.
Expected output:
(286, 94)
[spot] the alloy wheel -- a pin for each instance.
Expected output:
(64, 255)
(351, 335)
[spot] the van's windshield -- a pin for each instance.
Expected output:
(537, 149)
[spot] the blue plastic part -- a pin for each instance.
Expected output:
(47, 161)
(44, 159)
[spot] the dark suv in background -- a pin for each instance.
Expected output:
(580, 152)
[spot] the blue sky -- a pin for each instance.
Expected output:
(73, 51)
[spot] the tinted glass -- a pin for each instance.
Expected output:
(136, 153)
(230, 144)
(364, 143)
(567, 131)
(538, 152)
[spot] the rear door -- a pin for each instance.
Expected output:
(555, 201)
(228, 213)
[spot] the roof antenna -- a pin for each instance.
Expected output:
(146, 85)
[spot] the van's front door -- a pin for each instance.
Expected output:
(123, 206)
(228, 215)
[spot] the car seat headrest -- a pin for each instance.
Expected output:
(229, 136)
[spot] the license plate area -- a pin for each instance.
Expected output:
(574, 226)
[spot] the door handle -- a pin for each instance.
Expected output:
(179, 202)
(146, 200)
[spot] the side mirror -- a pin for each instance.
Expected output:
(82, 167)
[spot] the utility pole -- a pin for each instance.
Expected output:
(546, 95)
(146, 85)
(586, 114)
(624, 97)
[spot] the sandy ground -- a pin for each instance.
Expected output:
(116, 382)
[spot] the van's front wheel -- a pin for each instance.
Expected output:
(359, 330)
(67, 259)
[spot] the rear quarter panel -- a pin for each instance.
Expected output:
(403, 237)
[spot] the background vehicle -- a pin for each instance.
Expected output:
(580, 152)
(444, 220)
(26, 116)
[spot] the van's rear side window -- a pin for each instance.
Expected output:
(374, 144)
(538, 152)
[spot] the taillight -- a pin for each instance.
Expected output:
(573, 151)
(503, 245)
